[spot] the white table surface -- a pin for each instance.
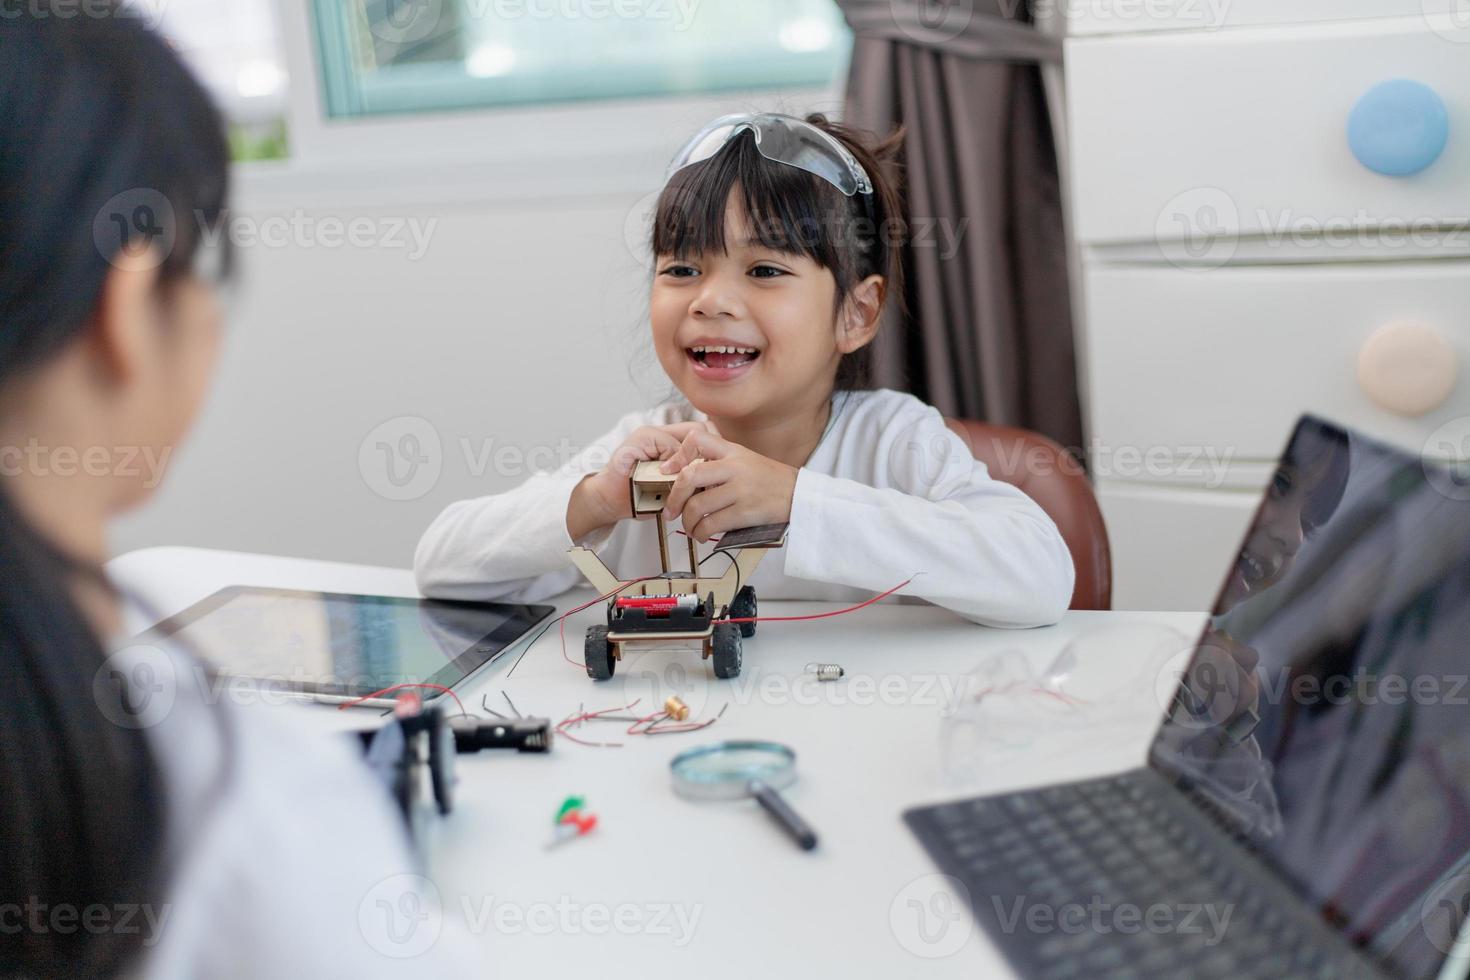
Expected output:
(714, 889)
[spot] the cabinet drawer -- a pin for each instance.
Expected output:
(1171, 548)
(1229, 359)
(1086, 17)
(1179, 136)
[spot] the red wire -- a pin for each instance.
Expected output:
(587, 716)
(562, 623)
(657, 729)
(562, 620)
(640, 721)
(834, 612)
(634, 729)
(592, 745)
(398, 687)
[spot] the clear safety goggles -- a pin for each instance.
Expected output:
(784, 139)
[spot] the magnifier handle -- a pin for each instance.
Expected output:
(790, 821)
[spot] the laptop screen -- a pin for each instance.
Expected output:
(1325, 713)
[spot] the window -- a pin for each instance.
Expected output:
(234, 48)
(401, 56)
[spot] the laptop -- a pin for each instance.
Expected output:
(1304, 810)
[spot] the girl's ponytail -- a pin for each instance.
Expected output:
(882, 253)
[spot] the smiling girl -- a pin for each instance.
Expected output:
(774, 241)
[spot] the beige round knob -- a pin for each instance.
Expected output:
(1407, 368)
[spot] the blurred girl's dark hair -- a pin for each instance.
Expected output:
(1325, 456)
(98, 119)
(798, 213)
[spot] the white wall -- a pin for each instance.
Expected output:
(523, 322)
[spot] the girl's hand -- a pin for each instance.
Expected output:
(602, 499)
(723, 487)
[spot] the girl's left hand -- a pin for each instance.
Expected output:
(724, 487)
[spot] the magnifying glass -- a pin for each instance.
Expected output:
(737, 770)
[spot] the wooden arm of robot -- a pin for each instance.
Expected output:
(595, 571)
(648, 488)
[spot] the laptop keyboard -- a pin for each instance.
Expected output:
(1106, 878)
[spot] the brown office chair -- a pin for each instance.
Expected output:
(1047, 474)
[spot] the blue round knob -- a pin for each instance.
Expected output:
(1398, 128)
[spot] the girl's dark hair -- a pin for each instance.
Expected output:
(98, 118)
(1325, 455)
(798, 213)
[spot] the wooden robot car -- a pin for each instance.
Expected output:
(675, 611)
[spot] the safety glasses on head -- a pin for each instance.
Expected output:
(784, 139)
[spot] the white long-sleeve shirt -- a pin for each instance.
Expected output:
(287, 857)
(890, 492)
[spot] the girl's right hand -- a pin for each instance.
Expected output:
(602, 499)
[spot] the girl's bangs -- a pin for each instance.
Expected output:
(784, 206)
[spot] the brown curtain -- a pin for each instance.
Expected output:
(988, 334)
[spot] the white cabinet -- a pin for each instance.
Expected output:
(1253, 125)
(1230, 358)
(1241, 266)
(1091, 17)
(1157, 534)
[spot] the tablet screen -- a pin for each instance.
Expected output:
(350, 645)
